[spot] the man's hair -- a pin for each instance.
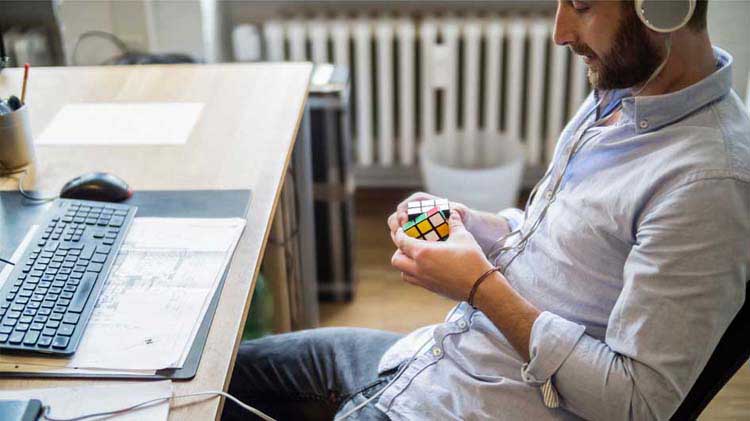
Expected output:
(697, 22)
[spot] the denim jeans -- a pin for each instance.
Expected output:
(310, 375)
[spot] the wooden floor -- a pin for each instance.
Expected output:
(384, 302)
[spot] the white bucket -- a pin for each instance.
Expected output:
(490, 188)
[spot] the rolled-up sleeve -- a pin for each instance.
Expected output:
(514, 216)
(683, 283)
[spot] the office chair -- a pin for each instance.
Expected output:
(730, 354)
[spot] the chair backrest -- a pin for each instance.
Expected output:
(730, 354)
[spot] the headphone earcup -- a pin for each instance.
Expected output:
(665, 16)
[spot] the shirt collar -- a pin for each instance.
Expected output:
(653, 112)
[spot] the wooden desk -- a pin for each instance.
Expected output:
(243, 139)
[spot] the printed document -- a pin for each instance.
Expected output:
(155, 299)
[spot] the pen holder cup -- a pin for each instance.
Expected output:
(16, 143)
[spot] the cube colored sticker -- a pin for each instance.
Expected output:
(419, 207)
(431, 225)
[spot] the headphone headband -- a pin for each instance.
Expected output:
(665, 16)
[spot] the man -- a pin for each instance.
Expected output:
(611, 292)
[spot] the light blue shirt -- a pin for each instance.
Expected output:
(638, 267)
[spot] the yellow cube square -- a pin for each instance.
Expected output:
(443, 230)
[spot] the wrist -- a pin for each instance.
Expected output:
(479, 279)
(490, 291)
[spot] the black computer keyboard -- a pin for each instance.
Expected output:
(48, 298)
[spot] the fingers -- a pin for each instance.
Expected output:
(408, 245)
(393, 223)
(404, 263)
(410, 279)
(456, 223)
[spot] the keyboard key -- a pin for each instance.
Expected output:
(36, 326)
(59, 309)
(48, 331)
(84, 289)
(4, 337)
(6, 329)
(63, 302)
(56, 316)
(22, 327)
(44, 341)
(71, 318)
(53, 324)
(40, 319)
(65, 329)
(25, 319)
(51, 246)
(108, 242)
(94, 267)
(9, 322)
(99, 258)
(44, 311)
(87, 252)
(60, 342)
(103, 249)
(13, 315)
(16, 337)
(31, 337)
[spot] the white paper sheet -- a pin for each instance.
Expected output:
(159, 123)
(69, 402)
(157, 294)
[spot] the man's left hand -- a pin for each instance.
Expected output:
(448, 268)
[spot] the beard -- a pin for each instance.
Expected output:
(631, 60)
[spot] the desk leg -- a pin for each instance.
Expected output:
(289, 262)
(308, 273)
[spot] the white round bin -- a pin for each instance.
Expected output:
(490, 188)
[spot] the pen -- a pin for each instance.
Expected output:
(25, 78)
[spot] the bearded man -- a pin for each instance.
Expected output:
(604, 299)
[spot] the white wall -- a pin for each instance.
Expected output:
(145, 25)
(729, 28)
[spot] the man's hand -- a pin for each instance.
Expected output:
(448, 268)
(451, 267)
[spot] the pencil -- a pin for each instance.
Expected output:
(25, 78)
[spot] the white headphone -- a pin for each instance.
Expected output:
(665, 16)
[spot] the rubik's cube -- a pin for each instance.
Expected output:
(430, 225)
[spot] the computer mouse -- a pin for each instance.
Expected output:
(99, 186)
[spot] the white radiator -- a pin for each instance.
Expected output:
(422, 79)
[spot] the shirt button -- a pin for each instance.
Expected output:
(643, 124)
(437, 351)
(462, 323)
(548, 195)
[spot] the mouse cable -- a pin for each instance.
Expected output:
(27, 195)
(46, 413)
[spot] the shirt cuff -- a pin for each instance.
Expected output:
(552, 340)
(514, 216)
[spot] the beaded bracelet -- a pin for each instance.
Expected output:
(479, 282)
